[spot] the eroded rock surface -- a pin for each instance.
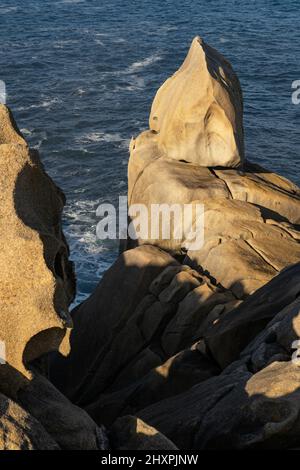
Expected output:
(196, 115)
(36, 278)
(197, 342)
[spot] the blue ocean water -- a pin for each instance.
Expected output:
(81, 76)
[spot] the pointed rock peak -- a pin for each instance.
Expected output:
(198, 112)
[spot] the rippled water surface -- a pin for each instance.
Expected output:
(81, 76)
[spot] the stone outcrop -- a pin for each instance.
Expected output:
(196, 115)
(200, 348)
(37, 284)
(251, 215)
(177, 347)
(36, 277)
(260, 244)
(70, 426)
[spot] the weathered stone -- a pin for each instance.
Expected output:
(196, 115)
(176, 375)
(250, 214)
(70, 426)
(266, 189)
(101, 319)
(254, 403)
(139, 358)
(21, 431)
(233, 332)
(243, 249)
(36, 278)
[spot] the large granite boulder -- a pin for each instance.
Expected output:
(36, 277)
(189, 348)
(197, 114)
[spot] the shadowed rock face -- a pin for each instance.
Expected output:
(36, 277)
(254, 402)
(21, 431)
(131, 433)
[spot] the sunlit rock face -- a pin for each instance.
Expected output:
(36, 277)
(197, 113)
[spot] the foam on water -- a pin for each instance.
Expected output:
(99, 137)
(47, 103)
(143, 63)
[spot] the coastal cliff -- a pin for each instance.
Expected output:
(176, 347)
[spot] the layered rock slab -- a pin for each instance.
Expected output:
(253, 403)
(147, 325)
(227, 338)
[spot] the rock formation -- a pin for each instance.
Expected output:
(36, 277)
(37, 284)
(177, 347)
(196, 115)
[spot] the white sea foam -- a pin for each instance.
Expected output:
(119, 41)
(42, 137)
(99, 43)
(63, 43)
(100, 137)
(47, 103)
(4, 10)
(26, 132)
(71, 1)
(38, 145)
(124, 144)
(143, 63)
(88, 253)
(80, 91)
(167, 29)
